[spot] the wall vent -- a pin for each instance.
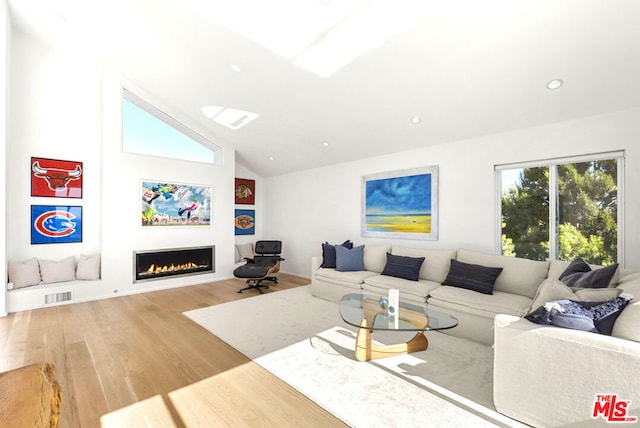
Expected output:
(50, 299)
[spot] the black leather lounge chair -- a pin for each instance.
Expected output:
(261, 267)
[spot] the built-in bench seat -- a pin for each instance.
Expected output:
(41, 295)
(36, 283)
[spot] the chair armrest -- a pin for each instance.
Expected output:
(550, 376)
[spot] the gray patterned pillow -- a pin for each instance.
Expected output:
(579, 275)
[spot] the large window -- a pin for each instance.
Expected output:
(148, 131)
(563, 209)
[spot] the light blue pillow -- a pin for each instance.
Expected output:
(349, 259)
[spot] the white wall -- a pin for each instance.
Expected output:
(64, 106)
(307, 208)
(4, 58)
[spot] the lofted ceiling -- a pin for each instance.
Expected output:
(340, 80)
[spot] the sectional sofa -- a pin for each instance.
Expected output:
(544, 375)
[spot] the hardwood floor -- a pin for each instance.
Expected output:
(137, 361)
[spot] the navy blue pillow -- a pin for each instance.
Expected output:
(403, 267)
(348, 260)
(597, 317)
(579, 275)
(329, 253)
(472, 277)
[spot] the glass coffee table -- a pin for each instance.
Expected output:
(369, 314)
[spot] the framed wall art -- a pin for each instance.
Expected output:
(245, 222)
(56, 224)
(56, 178)
(174, 204)
(401, 204)
(245, 191)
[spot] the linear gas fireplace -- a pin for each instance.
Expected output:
(159, 264)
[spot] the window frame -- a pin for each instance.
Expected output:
(129, 95)
(553, 164)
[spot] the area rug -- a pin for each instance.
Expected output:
(303, 341)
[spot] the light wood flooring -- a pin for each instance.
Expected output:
(137, 361)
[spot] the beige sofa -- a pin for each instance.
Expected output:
(548, 377)
(544, 376)
(513, 292)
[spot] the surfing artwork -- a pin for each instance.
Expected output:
(174, 204)
(401, 204)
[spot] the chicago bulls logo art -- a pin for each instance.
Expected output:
(56, 178)
(55, 224)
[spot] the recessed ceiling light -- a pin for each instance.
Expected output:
(271, 158)
(416, 119)
(325, 143)
(235, 67)
(554, 84)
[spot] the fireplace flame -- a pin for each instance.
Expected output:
(171, 268)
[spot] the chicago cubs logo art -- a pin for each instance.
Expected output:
(53, 224)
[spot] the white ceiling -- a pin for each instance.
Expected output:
(353, 73)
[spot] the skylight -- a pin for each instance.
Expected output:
(149, 131)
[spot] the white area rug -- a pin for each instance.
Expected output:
(303, 341)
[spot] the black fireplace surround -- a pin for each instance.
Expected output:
(172, 262)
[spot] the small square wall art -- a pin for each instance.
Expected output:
(56, 178)
(56, 224)
(245, 222)
(245, 191)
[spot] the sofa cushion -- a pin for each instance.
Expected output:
(348, 260)
(485, 305)
(626, 326)
(519, 276)
(472, 277)
(553, 289)
(381, 284)
(576, 315)
(24, 274)
(403, 267)
(343, 278)
(436, 262)
(329, 253)
(580, 275)
(375, 257)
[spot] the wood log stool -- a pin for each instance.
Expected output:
(30, 397)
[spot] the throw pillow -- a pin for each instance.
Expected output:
(58, 271)
(597, 317)
(329, 253)
(553, 289)
(24, 274)
(403, 267)
(579, 275)
(348, 260)
(245, 251)
(472, 277)
(88, 267)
